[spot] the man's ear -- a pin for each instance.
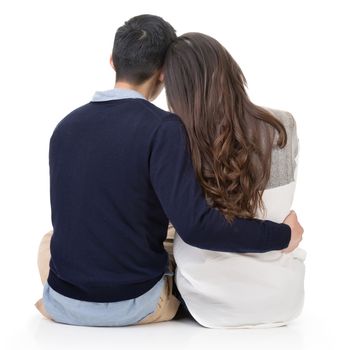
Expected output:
(111, 62)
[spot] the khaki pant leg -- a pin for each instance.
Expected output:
(167, 306)
(44, 256)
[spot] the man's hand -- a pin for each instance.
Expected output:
(296, 229)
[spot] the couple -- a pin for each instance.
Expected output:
(219, 168)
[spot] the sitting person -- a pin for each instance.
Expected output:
(245, 158)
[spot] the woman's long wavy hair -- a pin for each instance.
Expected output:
(230, 138)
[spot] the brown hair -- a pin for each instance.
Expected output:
(230, 138)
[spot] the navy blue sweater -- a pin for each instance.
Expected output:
(119, 171)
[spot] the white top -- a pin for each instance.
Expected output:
(236, 290)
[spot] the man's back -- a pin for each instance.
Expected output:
(107, 220)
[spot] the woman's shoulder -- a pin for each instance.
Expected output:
(284, 160)
(285, 117)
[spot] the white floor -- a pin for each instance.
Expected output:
(310, 331)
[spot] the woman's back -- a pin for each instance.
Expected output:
(250, 289)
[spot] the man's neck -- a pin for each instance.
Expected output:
(143, 89)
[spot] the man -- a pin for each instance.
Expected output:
(120, 169)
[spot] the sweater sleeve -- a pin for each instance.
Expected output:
(174, 181)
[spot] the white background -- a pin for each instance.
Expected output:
(54, 55)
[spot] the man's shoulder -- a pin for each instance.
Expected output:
(73, 115)
(150, 108)
(162, 119)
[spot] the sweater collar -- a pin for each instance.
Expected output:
(115, 94)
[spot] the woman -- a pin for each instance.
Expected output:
(245, 159)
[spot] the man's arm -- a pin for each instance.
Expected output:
(174, 181)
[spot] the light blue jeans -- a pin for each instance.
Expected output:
(85, 313)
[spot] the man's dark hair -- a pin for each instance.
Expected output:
(140, 46)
